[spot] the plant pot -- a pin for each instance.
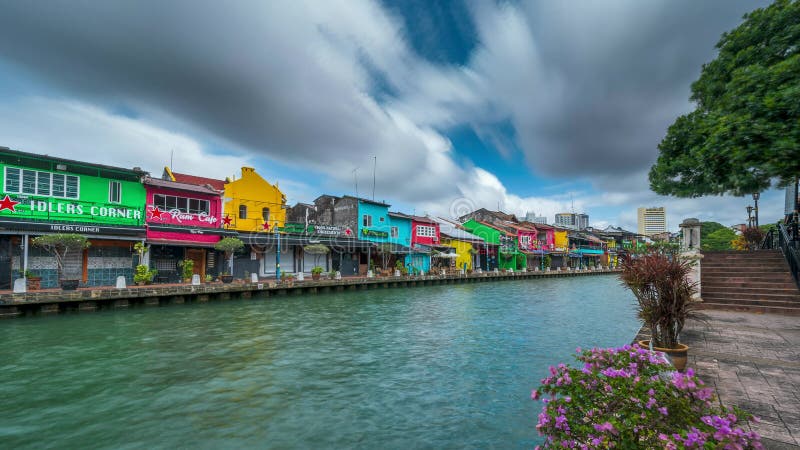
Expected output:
(677, 356)
(34, 284)
(226, 278)
(69, 285)
(315, 276)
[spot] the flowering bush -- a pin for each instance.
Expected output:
(627, 398)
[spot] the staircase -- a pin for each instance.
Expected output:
(748, 281)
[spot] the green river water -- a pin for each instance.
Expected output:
(433, 367)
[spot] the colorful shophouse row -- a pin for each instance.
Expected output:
(46, 195)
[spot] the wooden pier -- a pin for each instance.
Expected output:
(92, 299)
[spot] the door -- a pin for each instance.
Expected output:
(198, 256)
(5, 263)
(349, 265)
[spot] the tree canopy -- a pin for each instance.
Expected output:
(745, 130)
(718, 240)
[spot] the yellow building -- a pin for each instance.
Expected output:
(561, 240)
(463, 250)
(250, 201)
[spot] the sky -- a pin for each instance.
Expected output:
(530, 106)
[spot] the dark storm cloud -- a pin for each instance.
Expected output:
(622, 71)
(280, 79)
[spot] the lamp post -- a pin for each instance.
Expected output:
(277, 253)
(749, 216)
(755, 209)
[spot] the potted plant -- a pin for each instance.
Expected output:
(317, 250)
(663, 292)
(332, 275)
(316, 272)
(287, 278)
(228, 246)
(143, 275)
(209, 278)
(60, 245)
(622, 397)
(187, 270)
(33, 281)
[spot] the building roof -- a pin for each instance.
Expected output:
(423, 219)
(34, 160)
(518, 227)
(158, 182)
(400, 215)
(219, 185)
(449, 229)
(364, 200)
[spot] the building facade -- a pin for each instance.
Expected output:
(652, 220)
(572, 220)
(184, 222)
(47, 195)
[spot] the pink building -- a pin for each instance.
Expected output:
(184, 221)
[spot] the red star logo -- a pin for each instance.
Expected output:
(348, 231)
(156, 213)
(7, 203)
(265, 226)
(227, 220)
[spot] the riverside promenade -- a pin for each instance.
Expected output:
(752, 361)
(54, 301)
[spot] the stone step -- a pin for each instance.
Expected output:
(714, 283)
(753, 276)
(752, 308)
(775, 288)
(752, 296)
(751, 301)
(713, 253)
(743, 269)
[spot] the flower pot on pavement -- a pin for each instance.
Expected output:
(677, 356)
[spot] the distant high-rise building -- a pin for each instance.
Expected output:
(572, 220)
(532, 217)
(652, 220)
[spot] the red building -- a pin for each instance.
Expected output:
(424, 231)
(184, 221)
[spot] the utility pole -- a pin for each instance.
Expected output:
(374, 166)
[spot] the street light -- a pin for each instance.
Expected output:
(749, 216)
(755, 209)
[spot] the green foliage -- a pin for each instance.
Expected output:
(316, 270)
(209, 278)
(745, 130)
(187, 268)
(141, 248)
(229, 246)
(547, 261)
(143, 275)
(521, 261)
(60, 245)
(718, 240)
(707, 228)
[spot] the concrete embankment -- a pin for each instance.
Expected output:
(92, 299)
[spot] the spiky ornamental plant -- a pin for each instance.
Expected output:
(663, 293)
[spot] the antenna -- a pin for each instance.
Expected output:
(374, 166)
(171, 154)
(355, 179)
(572, 202)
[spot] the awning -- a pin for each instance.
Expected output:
(192, 230)
(445, 255)
(337, 244)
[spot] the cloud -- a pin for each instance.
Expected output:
(79, 131)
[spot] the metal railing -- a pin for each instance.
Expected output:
(788, 246)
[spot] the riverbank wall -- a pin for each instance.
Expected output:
(55, 301)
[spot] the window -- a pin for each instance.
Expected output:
(394, 232)
(525, 240)
(182, 204)
(366, 220)
(381, 219)
(426, 231)
(243, 211)
(34, 182)
(114, 192)
(265, 214)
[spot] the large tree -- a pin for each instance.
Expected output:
(745, 131)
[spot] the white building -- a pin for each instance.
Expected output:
(652, 220)
(572, 220)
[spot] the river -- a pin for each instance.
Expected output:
(432, 367)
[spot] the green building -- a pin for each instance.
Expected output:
(45, 195)
(502, 251)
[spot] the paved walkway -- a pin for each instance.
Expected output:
(753, 361)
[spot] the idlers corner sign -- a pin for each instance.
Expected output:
(50, 209)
